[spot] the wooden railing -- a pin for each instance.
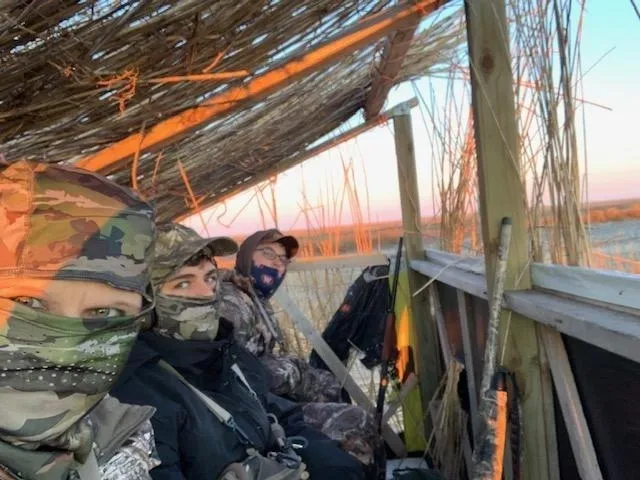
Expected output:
(599, 307)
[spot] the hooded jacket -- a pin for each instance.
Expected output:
(244, 257)
(63, 223)
(191, 441)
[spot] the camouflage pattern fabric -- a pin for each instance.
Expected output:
(135, 459)
(237, 307)
(353, 427)
(132, 460)
(61, 223)
(55, 366)
(176, 244)
(67, 224)
(186, 318)
(179, 317)
(124, 444)
(350, 425)
(292, 376)
(485, 453)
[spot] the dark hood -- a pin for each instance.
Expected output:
(194, 355)
(245, 252)
(244, 257)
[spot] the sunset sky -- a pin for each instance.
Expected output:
(611, 29)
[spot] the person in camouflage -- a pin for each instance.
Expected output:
(261, 265)
(74, 280)
(262, 259)
(187, 334)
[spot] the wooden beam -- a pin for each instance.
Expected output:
(394, 51)
(618, 289)
(470, 348)
(445, 345)
(466, 281)
(307, 154)
(569, 399)
(300, 64)
(407, 387)
(617, 332)
(612, 330)
(425, 341)
(336, 366)
(502, 195)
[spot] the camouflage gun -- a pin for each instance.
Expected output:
(387, 368)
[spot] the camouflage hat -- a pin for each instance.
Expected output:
(176, 244)
(64, 223)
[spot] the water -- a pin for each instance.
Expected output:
(617, 238)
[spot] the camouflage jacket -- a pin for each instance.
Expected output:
(249, 327)
(124, 448)
(291, 376)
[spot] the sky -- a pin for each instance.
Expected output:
(316, 188)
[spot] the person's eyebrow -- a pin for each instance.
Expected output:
(211, 272)
(126, 305)
(184, 276)
(121, 304)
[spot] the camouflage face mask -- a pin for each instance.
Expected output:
(185, 318)
(54, 369)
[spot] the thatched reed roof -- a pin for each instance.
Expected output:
(78, 76)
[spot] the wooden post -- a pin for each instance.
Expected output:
(502, 195)
(469, 347)
(426, 349)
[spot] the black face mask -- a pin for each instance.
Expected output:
(266, 279)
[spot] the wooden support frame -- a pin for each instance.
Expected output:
(502, 195)
(612, 330)
(394, 51)
(469, 347)
(448, 358)
(298, 65)
(426, 348)
(310, 153)
(618, 332)
(617, 289)
(569, 399)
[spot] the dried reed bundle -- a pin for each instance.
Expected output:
(78, 76)
(445, 444)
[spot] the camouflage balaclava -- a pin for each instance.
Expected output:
(61, 223)
(177, 317)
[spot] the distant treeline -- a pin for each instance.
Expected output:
(384, 235)
(613, 213)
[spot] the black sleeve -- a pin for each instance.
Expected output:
(291, 417)
(168, 434)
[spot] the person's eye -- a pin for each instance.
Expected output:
(104, 312)
(268, 253)
(30, 302)
(182, 285)
(212, 280)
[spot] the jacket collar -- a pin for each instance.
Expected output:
(186, 355)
